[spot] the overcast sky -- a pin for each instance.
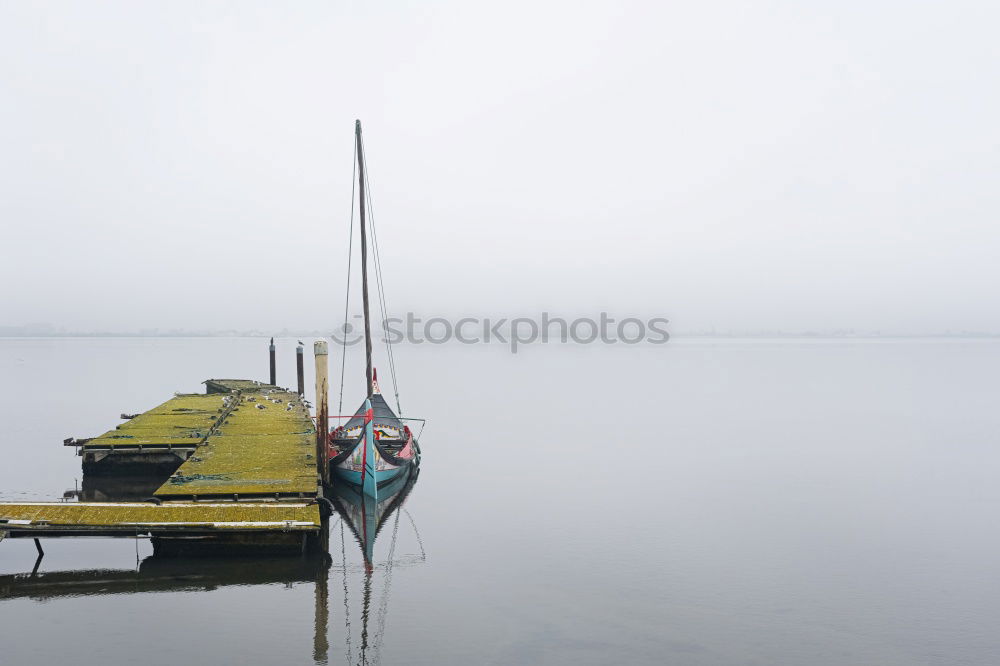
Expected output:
(737, 165)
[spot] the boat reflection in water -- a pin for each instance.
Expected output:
(361, 515)
(366, 518)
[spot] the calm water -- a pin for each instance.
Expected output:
(705, 502)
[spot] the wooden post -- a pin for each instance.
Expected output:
(299, 369)
(322, 408)
(274, 379)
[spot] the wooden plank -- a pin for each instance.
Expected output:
(143, 516)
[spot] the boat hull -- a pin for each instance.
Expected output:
(353, 477)
(368, 465)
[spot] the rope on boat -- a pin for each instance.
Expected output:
(378, 279)
(347, 298)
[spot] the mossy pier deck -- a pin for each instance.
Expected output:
(238, 465)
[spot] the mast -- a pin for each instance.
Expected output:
(364, 261)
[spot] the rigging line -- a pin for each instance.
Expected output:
(347, 297)
(380, 284)
(389, 352)
(383, 610)
(383, 304)
(347, 609)
(420, 541)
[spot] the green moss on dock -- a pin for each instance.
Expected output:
(257, 441)
(183, 421)
(123, 515)
(228, 385)
(265, 445)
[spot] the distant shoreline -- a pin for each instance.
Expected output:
(763, 335)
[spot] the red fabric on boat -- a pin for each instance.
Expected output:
(406, 451)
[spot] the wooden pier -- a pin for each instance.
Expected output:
(238, 465)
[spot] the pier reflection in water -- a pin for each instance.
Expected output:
(366, 585)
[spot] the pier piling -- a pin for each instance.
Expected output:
(273, 380)
(299, 369)
(322, 408)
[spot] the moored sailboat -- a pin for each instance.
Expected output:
(373, 448)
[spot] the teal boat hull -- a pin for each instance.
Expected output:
(369, 467)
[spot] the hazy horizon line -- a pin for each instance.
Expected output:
(50, 331)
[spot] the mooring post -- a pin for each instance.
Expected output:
(322, 409)
(274, 377)
(299, 369)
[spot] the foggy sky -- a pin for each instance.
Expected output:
(734, 165)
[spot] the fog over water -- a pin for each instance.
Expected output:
(732, 167)
(727, 165)
(701, 502)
